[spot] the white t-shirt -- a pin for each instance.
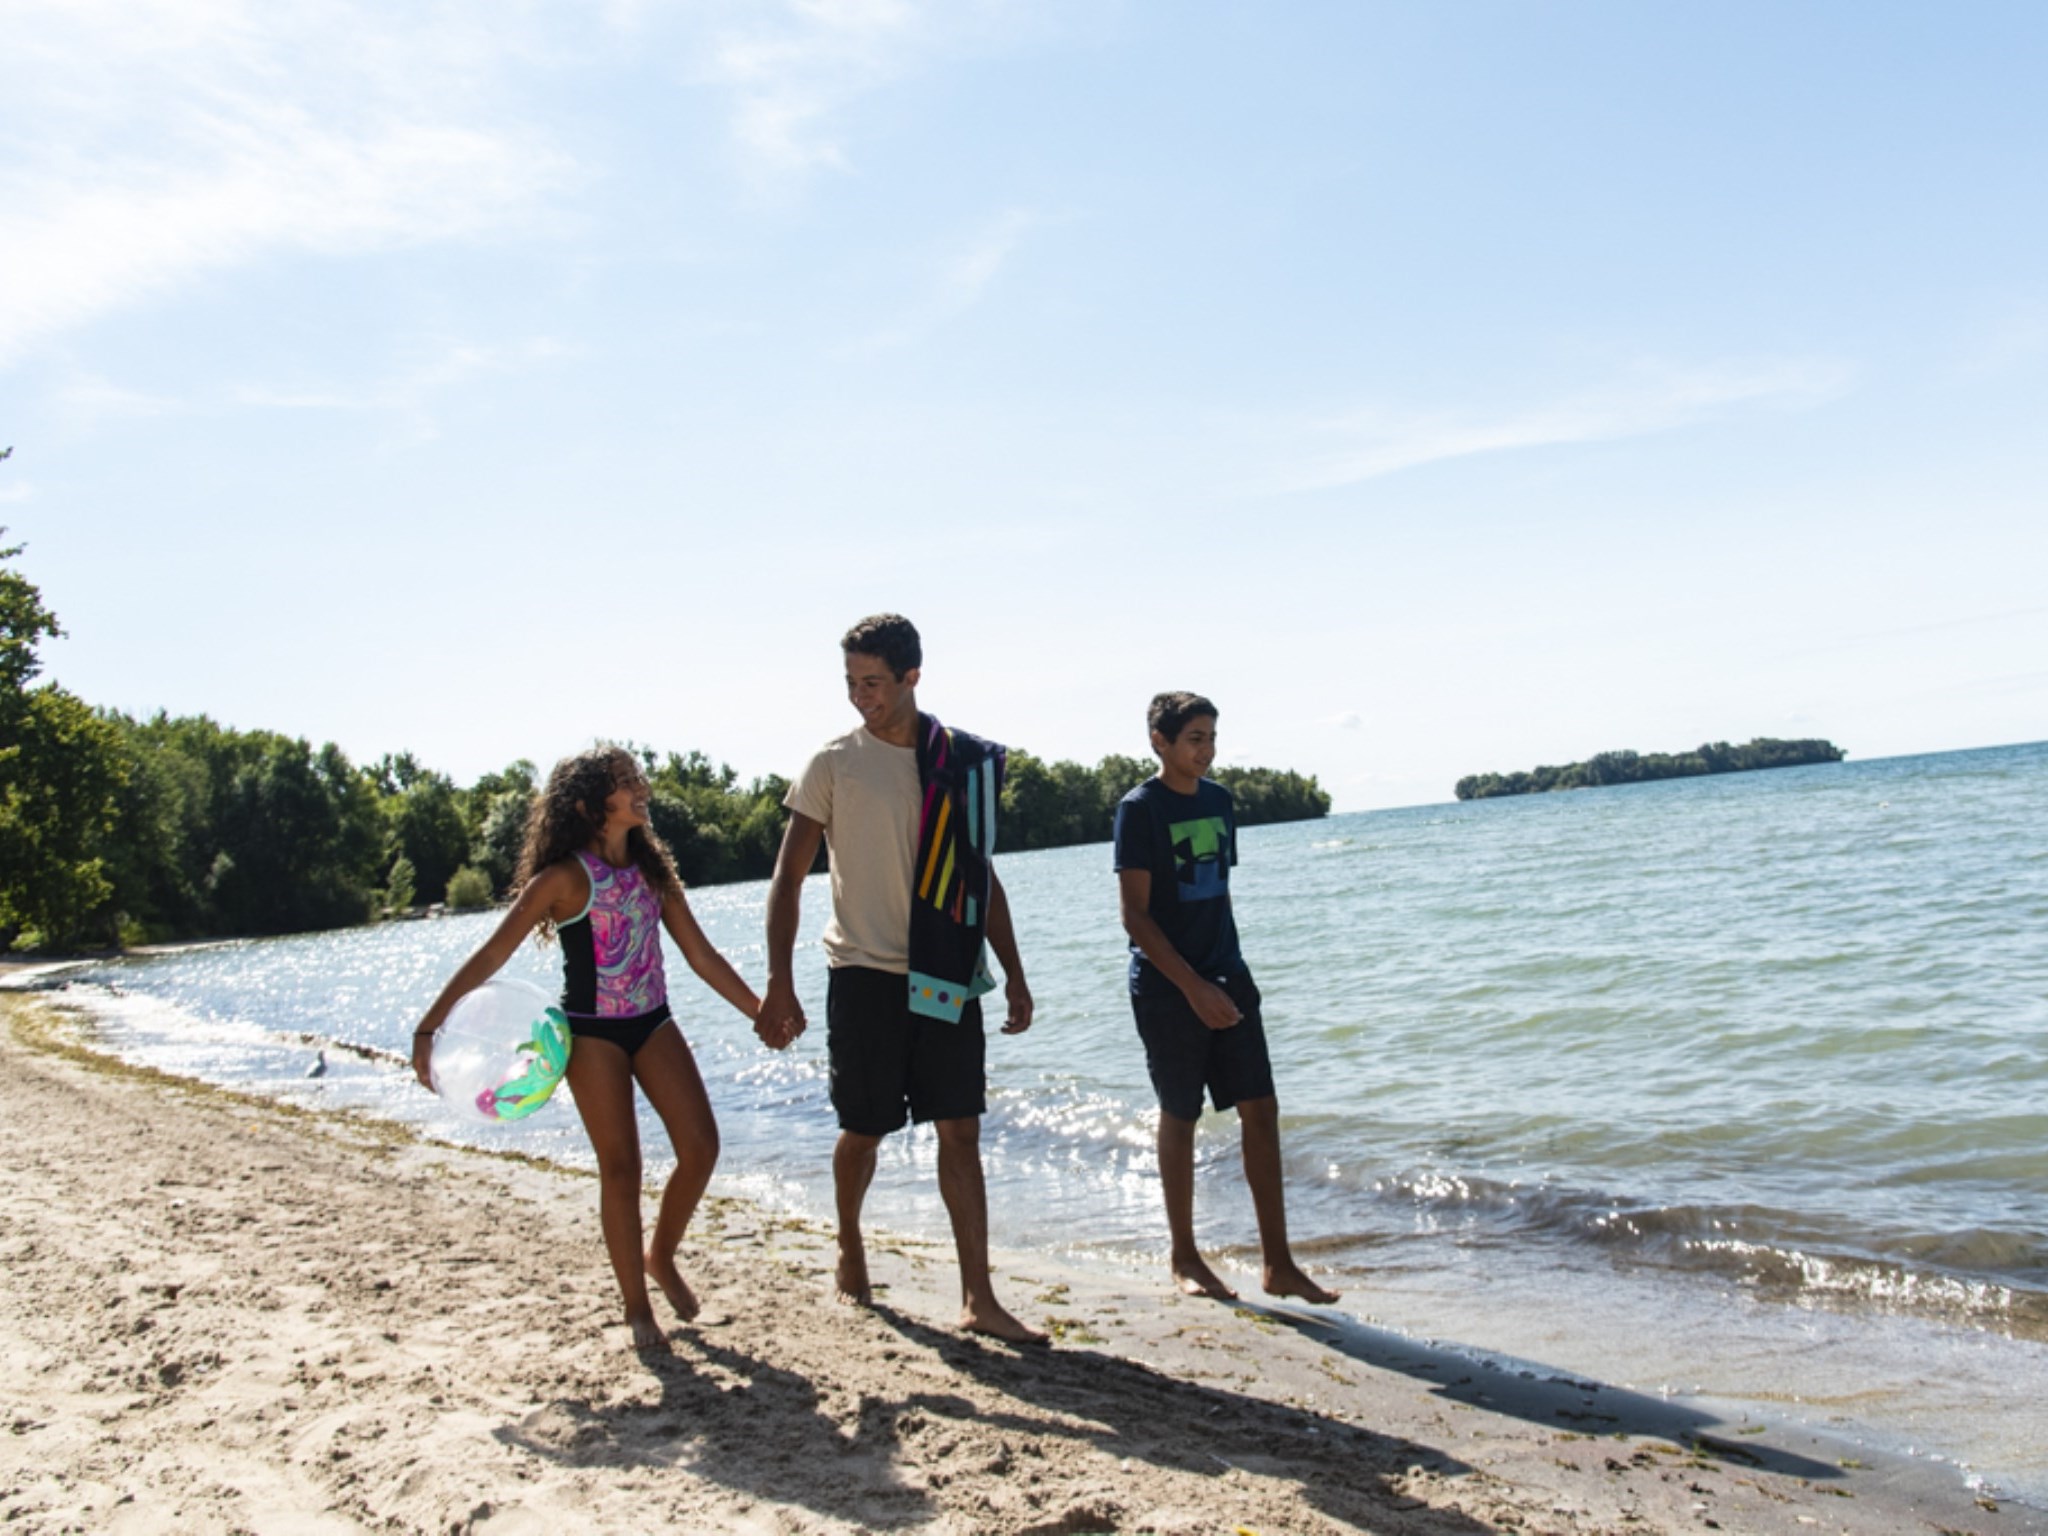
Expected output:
(864, 793)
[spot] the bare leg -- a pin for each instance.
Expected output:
(853, 1170)
(1259, 1122)
(668, 1076)
(1177, 1181)
(601, 1078)
(966, 1197)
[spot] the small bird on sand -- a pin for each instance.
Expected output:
(319, 1067)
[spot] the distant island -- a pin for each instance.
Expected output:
(1640, 768)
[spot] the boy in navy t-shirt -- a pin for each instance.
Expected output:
(1197, 1009)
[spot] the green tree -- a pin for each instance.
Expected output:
(501, 835)
(1031, 808)
(469, 889)
(1118, 775)
(61, 775)
(161, 845)
(427, 826)
(399, 887)
(299, 840)
(1624, 767)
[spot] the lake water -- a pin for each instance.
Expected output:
(1735, 1088)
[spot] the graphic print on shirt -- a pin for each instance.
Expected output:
(1201, 857)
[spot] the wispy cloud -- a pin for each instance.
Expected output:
(2016, 339)
(962, 281)
(87, 398)
(410, 392)
(792, 66)
(145, 145)
(795, 68)
(411, 387)
(1346, 448)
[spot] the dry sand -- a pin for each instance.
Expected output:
(218, 1314)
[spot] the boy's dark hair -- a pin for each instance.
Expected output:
(890, 636)
(1170, 712)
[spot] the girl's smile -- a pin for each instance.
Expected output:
(627, 803)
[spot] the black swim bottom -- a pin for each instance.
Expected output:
(628, 1031)
(890, 1065)
(1186, 1056)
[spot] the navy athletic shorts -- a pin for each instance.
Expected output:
(1186, 1056)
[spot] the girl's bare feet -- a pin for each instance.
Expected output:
(663, 1272)
(648, 1338)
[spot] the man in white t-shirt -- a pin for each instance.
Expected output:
(890, 1065)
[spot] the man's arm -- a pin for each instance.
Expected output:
(781, 1018)
(1002, 938)
(1211, 1003)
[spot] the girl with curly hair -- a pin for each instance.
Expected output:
(595, 877)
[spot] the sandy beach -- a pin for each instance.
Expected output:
(218, 1314)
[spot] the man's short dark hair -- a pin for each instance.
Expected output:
(1170, 712)
(890, 636)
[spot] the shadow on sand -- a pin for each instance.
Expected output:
(1539, 1395)
(887, 1462)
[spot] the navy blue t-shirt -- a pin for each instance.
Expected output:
(1188, 842)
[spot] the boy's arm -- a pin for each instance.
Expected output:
(1002, 938)
(1211, 1003)
(781, 1018)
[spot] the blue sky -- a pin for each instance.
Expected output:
(1441, 387)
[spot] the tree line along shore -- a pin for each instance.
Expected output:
(117, 831)
(1640, 768)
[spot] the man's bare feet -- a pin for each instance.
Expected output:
(663, 1272)
(1288, 1280)
(1196, 1278)
(852, 1277)
(991, 1318)
(648, 1339)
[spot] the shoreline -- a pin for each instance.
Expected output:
(277, 1317)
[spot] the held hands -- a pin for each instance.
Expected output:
(1019, 996)
(1213, 1006)
(781, 1018)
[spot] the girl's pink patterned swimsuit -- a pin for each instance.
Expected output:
(613, 984)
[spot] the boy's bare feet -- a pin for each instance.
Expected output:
(1288, 1280)
(1196, 1278)
(991, 1318)
(663, 1272)
(852, 1277)
(648, 1338)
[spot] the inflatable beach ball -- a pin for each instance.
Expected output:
(502, 1052)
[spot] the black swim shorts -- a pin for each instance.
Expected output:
(1186, 1056)
(890, 1065)
(628, 1031)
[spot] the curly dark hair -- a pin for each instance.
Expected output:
(1170, 713)
(568, 815)
(889, 636)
